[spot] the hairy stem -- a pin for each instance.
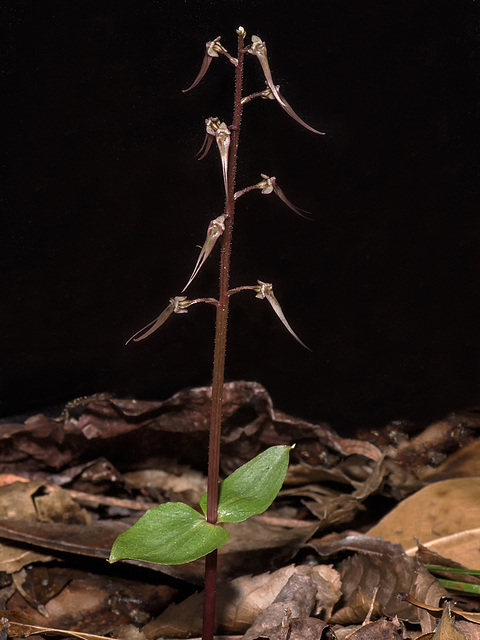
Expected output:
(220, 350)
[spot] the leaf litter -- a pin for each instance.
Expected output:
(358, 522)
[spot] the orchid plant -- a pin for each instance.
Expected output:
(175, 533)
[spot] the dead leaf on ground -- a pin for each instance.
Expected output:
(438, 510)
(378, 630)
(463, 547)
(437, 612)
(333, 506)
(84, 487)
(83, 601)
(430, 557)
(253, 545)
(364, 576)
(242, 600)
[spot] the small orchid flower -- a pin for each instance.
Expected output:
(221, 133)
(267, 185)
(264, 290)
(213, 50)
(179, 304)
(258, 48)
(214, 231)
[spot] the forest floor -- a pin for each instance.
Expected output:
(375, 536)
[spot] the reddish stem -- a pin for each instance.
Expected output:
(220, 351)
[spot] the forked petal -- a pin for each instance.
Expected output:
(207, 59)
(283, 198)
(286, 107)
(266, 291)
(152, 326)
(214, 231)
(205, 148)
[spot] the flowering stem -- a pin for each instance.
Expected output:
(220, 349)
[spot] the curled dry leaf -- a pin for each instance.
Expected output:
(186, 485)
(30, 502)
(333, 506)
(351, 541)
(294, 602)
(242, 600)
(378, 630)
(437, 562)
(463, 547)
(160, 429)
(364, 575)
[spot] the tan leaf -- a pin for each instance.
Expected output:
(446, 629)
(465, 544)
(241, 601)
(18, 625)
(380, 630)
(438, 510)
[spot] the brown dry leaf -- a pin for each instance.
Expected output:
(18, 501)
(240, 601)
(438, 510)
(333, 507)
(56, 505)
(379, 630)
(88, 602)
(29, 502)
(428, 556)
(185, 485)
(388, 555)
(253, 545)
(333, 543)
(470, 631)
(462, 547)
(295, 600)
(434, 442)
(161, 431)
(437, 611)
(296, 430)
(18, 624)
(365, 576)
(13, 558)
(299, 629)
(446, 629)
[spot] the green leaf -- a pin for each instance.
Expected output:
(253, 487)
(172, 533)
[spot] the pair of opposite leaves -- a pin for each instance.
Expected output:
(174, 533)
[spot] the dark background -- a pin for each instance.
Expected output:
(104, 203)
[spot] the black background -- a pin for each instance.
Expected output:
(104, 203)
